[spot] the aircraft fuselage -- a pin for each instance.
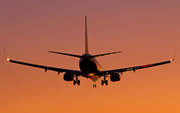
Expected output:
(89, 67)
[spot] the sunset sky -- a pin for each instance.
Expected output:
(147, 31)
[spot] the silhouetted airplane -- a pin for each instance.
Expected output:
(89, 67)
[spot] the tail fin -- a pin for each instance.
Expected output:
(86, 40)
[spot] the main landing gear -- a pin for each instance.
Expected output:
(104, 81)
(76, 81)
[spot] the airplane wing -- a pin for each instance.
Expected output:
(134, 68)
(46, 67)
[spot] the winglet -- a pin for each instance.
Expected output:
(174, 55)
(5, 54)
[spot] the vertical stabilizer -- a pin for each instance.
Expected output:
(86, 40)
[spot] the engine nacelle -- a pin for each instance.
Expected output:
(68, 77)
(115, 77)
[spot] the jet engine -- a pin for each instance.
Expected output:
(68, 77)
(115, 77)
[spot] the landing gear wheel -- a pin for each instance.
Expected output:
(74, 82)
(78, 82)
(106, 82)
(102, 82)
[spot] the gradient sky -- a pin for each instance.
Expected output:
(147, 31)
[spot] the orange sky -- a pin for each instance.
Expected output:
(147, 31)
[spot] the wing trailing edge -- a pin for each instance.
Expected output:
(46, 67)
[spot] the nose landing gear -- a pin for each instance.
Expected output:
(94, 85)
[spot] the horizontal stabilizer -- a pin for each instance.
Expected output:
(105, 54)
(66, 54)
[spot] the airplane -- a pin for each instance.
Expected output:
(89, 67)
